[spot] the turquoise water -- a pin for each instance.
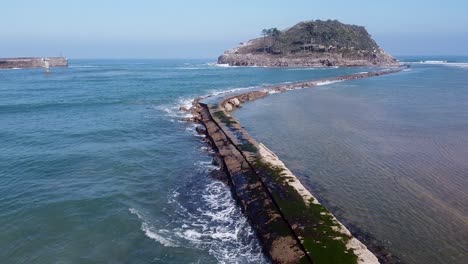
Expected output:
(97, 166)
(388, 155)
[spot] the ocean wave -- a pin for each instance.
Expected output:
(207, 149)
(174, 110)
(151, 232)
(206, 166)
(271, 91)
(192, 129)
(216, 225)
(433, 61)
(233, 90)
(444, 63)
(220, 65)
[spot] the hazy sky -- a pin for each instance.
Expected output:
(205, 28)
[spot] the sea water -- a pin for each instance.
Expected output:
(387, 155)
(97, 164)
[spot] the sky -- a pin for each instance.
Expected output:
(205, 28)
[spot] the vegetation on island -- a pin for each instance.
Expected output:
(316, 36)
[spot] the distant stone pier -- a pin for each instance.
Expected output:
(32, 62)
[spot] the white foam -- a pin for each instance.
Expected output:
(444, 63)
(155, 236)
(233, 90)
(327, 82)
(174, 109)
(222, 65)
(206, 166)
(433, 61)
(151, 232)
(207, 149)
(271, 91)
(192, 129)
(216, 225)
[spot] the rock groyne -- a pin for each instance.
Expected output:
(291, 224)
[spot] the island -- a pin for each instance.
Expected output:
(310, 44)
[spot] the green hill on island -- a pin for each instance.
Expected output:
(310, 43)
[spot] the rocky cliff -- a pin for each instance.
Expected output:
(310, 44)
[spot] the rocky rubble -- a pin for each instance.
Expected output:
(312, 60)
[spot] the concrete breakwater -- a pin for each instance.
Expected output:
(32, 62)
(291, 224)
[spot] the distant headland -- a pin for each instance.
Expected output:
(310, 44)
(33, 62)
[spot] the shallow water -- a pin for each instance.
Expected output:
(97, 166)
(388, 155)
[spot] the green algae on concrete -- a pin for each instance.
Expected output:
(316, 227)
(225, 119)
(248, 147)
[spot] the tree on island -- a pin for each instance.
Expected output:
(273, 34)
(264, 33)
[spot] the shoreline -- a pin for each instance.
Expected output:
(292, 225)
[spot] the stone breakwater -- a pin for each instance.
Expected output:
(291, 224)
(33, 62)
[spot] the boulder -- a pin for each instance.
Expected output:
(228, 107)
(200, 130)
(234, 101)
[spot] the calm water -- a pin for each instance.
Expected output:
(388, 155)
(96, 165)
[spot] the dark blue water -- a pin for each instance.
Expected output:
(388, 155)
(96, 165)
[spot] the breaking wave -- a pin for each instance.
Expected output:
(328, 82)
(216, 224)
(444, 63)
(433, 62)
